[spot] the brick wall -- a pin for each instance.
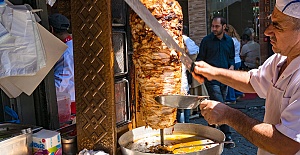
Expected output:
(197, 20)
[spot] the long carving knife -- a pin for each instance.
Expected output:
(157, 28)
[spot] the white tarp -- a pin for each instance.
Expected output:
(21, 50)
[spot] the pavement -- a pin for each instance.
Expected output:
(254, 108)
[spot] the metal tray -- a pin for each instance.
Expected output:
(16, 139)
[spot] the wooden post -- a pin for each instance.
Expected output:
(94, 77)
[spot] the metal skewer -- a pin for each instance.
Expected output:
(180, 147)
(162, 139)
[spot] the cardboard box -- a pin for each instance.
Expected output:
(46, 142)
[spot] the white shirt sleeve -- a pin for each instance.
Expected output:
(191, 45)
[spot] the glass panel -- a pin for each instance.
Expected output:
(119, 45)
(118, 12)
(239, 14)
(217, 8)
(121, 101)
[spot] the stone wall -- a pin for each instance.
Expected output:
(197, 20)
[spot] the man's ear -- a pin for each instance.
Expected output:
(224, 26)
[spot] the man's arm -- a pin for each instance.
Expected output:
(239, 80)
(263, 135)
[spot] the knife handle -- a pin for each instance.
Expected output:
(192, 69)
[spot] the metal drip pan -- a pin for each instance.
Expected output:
(146, 135)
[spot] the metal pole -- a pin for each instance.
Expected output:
(162, 139)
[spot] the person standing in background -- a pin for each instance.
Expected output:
(183, 115)
(64, 67)
(250, 52)
(250, 32)
(244, 40)
(191, 46)
(217, 49)
(230, 30)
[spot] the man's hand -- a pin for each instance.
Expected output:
(214, 112)
(201, 70)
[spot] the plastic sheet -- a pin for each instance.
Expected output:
(21, 49)
(91, 152)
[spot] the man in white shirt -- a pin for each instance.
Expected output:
(277, 80)
(64, 67)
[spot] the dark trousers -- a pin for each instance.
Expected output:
(218, 93)
(183, 115)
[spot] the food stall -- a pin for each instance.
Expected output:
(107, 94)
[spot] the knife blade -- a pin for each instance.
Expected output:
(157, 28)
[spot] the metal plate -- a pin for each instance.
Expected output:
(180, 101)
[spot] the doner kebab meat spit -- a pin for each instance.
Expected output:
(158, 67)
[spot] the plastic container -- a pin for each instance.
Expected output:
(16, 139)
(17, 145)
(64, 107)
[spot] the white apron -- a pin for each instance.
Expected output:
(276, 102)
(281, 93)
(272, 115)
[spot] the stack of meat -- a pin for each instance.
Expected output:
(158, 67)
